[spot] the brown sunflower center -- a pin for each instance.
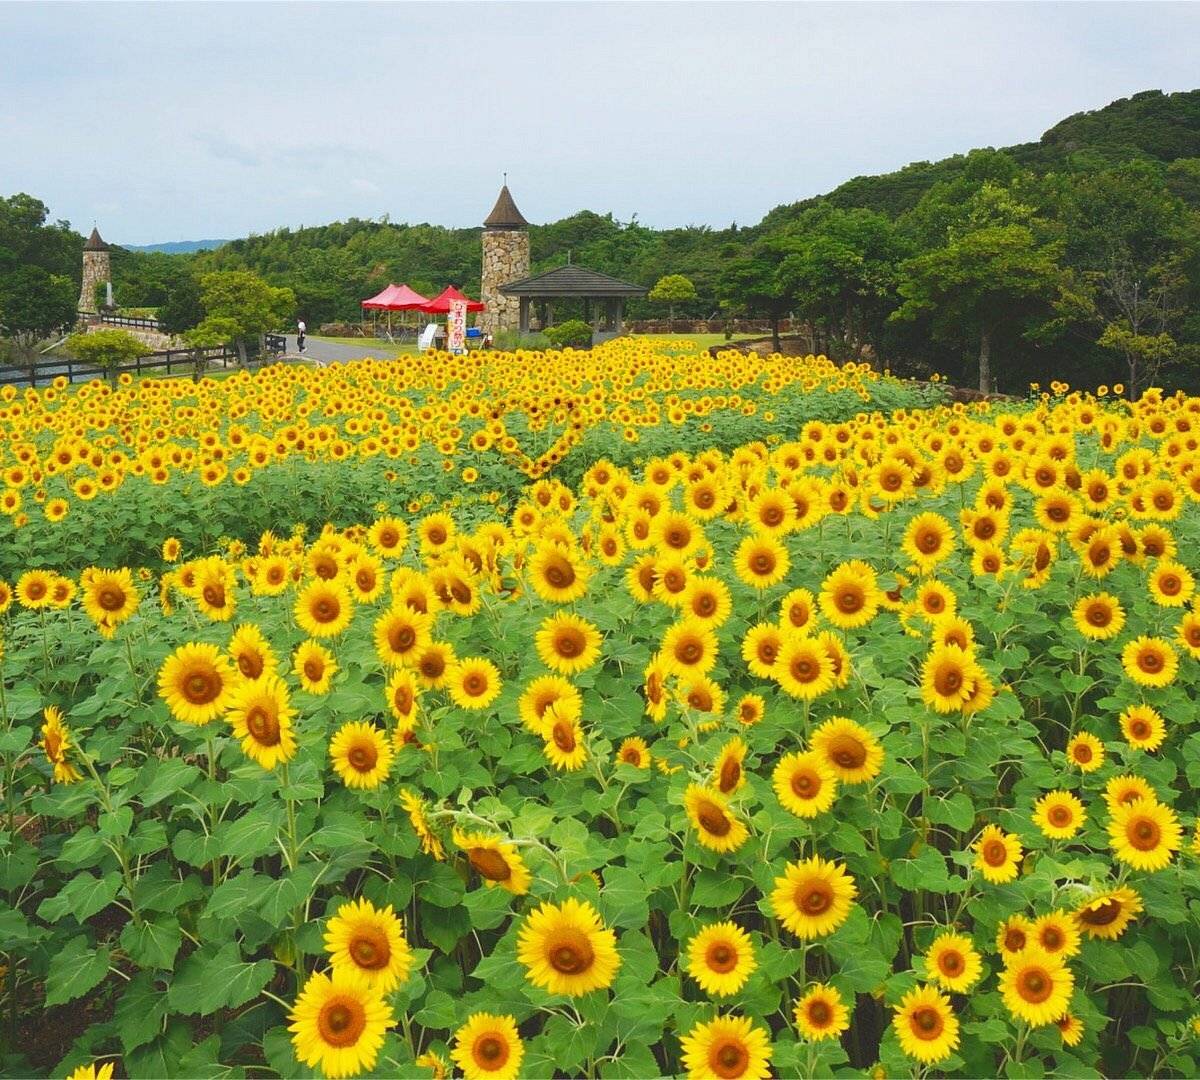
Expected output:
(250, 664)
(475, 684)
(111, 598)
(490, 1051)
(850, 599)
(570, 952)
(728, 1059)
(263, 725)
(819, 1013)
(363, 756)
(214, 595)
(721, 957)
(563, 736)
(201, 687)
(1035, 985)
(314, 669)
(558, 572)
(1060, 816)
(401, 638)
(1101, 913)
(1144, 834)
(369, 948)
(341, 1021)
(995, 852)
(927, 1023)
(569, 642)
(814, 897)
(326, 609)
(1014, 939)
(951, 962)
(713, 819)
(730, 774)
(847, 752)
(805, 784)
(490, 864)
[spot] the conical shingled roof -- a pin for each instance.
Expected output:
(94, 243)
(505, 214)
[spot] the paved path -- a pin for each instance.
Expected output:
(328, 352)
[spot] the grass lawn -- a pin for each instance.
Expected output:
(701, 341)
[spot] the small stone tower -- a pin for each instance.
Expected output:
(505, 259)
(97, 270)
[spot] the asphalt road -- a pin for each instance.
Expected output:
(328, 352)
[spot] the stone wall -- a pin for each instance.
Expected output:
(505, 259)
(96, 271)
(152, 339)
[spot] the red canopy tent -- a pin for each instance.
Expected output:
(395, 298)
(440, 304)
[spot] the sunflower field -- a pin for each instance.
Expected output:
(520, 720)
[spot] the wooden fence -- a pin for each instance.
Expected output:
(168, 361)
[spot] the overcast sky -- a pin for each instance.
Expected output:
(187, 121)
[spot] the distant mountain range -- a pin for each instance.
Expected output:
(178, 247)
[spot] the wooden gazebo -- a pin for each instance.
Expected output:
(603, 297)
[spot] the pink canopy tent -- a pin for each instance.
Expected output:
(395, 298)
(440, 304)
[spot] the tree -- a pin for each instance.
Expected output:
(246, 305)
(754, 284)
(978, 282)
(34, 304)
(107, 349)
(183, 309)
(671, 290)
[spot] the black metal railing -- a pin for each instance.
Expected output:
(125, 320)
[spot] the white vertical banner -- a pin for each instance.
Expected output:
(456, 326)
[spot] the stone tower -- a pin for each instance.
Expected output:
(97, 270)
(505, 259)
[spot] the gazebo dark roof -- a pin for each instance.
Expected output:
(94, 243)
(576, 281)
(505, 214)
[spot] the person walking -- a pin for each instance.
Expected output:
(301, 330)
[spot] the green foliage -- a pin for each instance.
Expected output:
(574, 333)
(34, 304)
(239, 306)
(107, 349)
(672, 289)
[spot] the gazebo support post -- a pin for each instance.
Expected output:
(524, 315)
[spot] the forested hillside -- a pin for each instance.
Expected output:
(1083, 246)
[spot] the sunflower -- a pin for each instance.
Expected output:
(821, 1013)
(804, 669)
(708, 600)
(761, 648)
(948, 678)
(261, 716)
(797, 611)
(388, 535)
(488, 1047)
(414, 806)
(338, 1023)
(1013, 936)
(323, 609)
(928, 540)
(761, 561)
(56, 741)
(365, 576)
(33, 591)
(813, 898)
(435, 1063)
(401, 634)
(474, 683)
(1188, 631)
(542, 693)
(1171, 584)
(361, 755)
(1057, 933)
(1144, 834)
(1107, 915)
(750, 709)
(805, 783)
(1099, 617)
(1150, 661)
(850, 595)
(721, 958)
(925, 1025)
(728, 772)
(1059, 815)
(432, 664)
(251, 653)
(557, 573)
(1143, 727)
(953, 962)
(109, 598)
(563, 741)
(1123, 790)
(1085, 752)
(214, 592)
(497, 861)
(850, 750)
(689, 647)
(654, 688)
(728, 1048)
(634, 751)
(92, 1072)
(714, 823)
(1070, 1027)
(370, 941)
(565, 948)
(315, 666)
(1036, 986)
(195, 681)
(401, 696)
(567, 643)
(997, 855)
